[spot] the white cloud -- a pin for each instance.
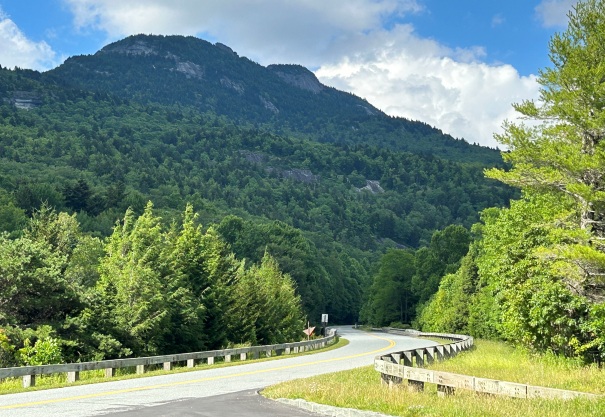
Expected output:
(269, 31)
(19, 51)
(553, 13)
(394, 69)
(421, 80)
(498, 20)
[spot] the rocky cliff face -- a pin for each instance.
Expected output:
(298, 76)
(25, 100)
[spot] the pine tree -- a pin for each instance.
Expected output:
(562, 151)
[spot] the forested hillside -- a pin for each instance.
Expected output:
(206, 205)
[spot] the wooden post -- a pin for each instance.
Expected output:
(190, 363)
(430, 354)
(227, 358)
(73, 376)
(242, 356)
(109, 372)
(29, 381)
(419, 358)
(415, 386)
(167, 366)
(444, 390)
(140, 369)
(211, 360)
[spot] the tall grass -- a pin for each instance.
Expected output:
(499, 361)
(361, 388)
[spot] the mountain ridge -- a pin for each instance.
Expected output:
(284, 98)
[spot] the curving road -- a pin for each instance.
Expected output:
(227, 391)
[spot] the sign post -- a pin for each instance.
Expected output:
(324, 323)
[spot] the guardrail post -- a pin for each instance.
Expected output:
(29, 381)
(190, 363)
(444, 390)
(415, 386)
(288, 350)
(440, 352)
(268, 353)
(430, 354)
(73, 376)
(227, 358)
(242, 356)
(419, 357)
(140, 369)
(167, 366)
(109, 372)
(211, 360)
(407, 358)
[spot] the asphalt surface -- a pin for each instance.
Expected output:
(229, 391)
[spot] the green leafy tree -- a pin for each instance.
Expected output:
(553, 300)
(563, 152)
(44, 352)
(266, 308)
(448, 310)
(32, 288)
(441, 257)
(391, 298)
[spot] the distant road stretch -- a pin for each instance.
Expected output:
(147, 396)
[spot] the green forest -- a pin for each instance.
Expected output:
(138, 220)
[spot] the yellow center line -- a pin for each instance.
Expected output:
(193, 381)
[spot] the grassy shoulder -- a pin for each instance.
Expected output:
(499, 361)
(361, 388)
(14, 385)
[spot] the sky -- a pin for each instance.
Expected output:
(457, 65)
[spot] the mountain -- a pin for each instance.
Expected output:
(270, 157)
(287, 99)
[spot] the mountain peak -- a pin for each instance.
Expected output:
(131, 46)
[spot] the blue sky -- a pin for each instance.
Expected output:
(457, 65)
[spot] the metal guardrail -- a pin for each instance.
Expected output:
(73, 369)
(394, 367)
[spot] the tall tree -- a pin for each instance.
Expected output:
(130, 275)
(562, 150)
(391, 298)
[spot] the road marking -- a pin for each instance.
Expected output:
(193, 381)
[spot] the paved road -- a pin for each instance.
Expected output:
(198, 393)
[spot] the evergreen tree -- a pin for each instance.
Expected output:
(130, 275)
(564, 152)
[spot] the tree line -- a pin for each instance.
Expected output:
(150, 288)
